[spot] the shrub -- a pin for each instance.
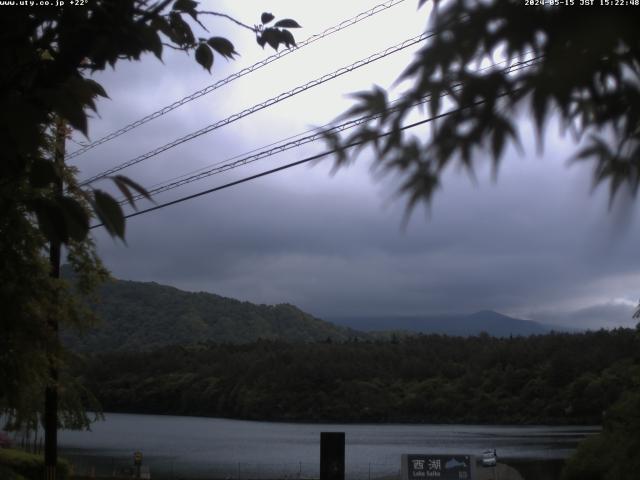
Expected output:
(613, 454)
(28, 465)
(8, 474)
(591, 460)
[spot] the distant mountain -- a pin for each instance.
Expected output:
(493, 323)
(142, 316)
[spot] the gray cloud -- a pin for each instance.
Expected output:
(336, 252)
(535, 241)
(607, 315)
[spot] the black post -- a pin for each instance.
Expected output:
(331, 455)
(51, 392)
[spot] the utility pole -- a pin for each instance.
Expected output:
(51, 391)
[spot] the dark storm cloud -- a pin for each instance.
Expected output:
(333, 251)
(534, 242)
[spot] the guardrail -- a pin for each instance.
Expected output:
(176, 469)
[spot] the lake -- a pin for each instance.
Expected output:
(195, 447)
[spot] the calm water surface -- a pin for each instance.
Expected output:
(198, 447)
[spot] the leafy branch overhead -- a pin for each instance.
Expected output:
(45, 91)
(45, 73)
(277, 34)
(559, 70)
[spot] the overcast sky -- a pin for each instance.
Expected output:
(536, 244)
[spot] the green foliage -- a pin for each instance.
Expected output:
(31, 300)
(591, 461)
(29, 466)
(425, 378)
(594, 95)
(44, 91)
(612, 454)
(7, 474)
(52, 51)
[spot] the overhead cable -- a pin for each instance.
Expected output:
(267, 103)
(245, 71)
(289, 143)
(244, 160)
(294, 164)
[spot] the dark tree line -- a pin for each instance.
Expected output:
(556, 378)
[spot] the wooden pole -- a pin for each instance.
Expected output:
(51, 391)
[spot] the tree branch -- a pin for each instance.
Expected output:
(237, 22)
(150, 14)
(201, 24)
(182, 49)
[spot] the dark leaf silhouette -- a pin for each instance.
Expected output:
(152, 40)
(272, 37)
(287, 23)
(223, 46)
(109, 213)
(287, 38)
(75, 218)
(43, 173)
(124, 189)
(180, 30)
(161, 24)
(95, 88)
(204, 56)
(68, 106)
(61, 219)
(125, 185)
(50, 219)
(187, 6)
(266, 18)
(557, 67)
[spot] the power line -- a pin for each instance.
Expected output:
(293, 164)
(267, 103)
(220, 83)
(229, 165)
(279, 146)
(250, 157)
(233, 158)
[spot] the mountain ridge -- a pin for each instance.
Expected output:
(147, 315)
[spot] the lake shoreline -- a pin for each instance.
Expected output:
(202, 447)
(527, 469)
(295, 421)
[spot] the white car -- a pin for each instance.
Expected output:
(489, 458)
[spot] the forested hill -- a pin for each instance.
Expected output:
(146, 315)
(543, 379)
(142, 316)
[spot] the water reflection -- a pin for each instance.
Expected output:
(224, 448)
